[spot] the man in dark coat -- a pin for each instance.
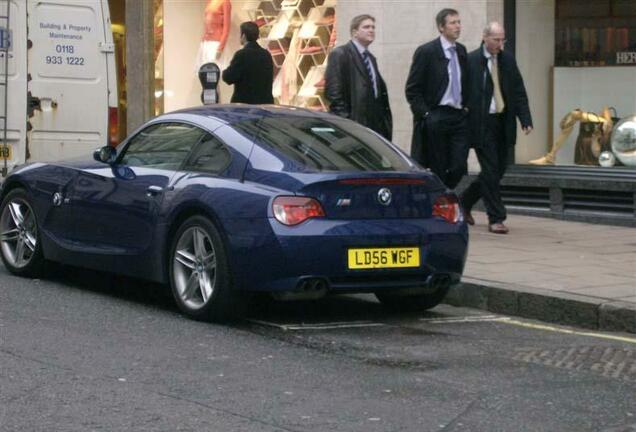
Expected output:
(251, 69)
(497, 97)
(353, 84)
(436, 91)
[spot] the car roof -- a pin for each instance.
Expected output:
(234, 113)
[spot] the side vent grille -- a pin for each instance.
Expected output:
(572, 192)
(608, 202)
(526, 197)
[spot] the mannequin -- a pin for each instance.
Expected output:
(216, 19)
(289, 73)
(593, 136)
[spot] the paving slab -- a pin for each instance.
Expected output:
(558, 271)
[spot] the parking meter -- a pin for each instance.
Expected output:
(209, 74)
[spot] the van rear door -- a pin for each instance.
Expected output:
(73, 81)
(13, 40)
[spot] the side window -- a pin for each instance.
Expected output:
(163, 145)
(210, 156)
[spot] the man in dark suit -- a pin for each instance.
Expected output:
(436, 92)
(353, 84)
(497, 97)
(251, 69)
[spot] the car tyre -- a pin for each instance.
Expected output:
(199, 272)
(20, 245)
(412, 303)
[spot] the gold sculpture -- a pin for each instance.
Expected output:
(588, 150)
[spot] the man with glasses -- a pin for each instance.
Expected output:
(496, 98)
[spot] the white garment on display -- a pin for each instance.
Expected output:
(208, 52)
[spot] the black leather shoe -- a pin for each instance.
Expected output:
(498, 228)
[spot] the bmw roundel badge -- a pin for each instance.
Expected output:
(385, 196)
(57, 199)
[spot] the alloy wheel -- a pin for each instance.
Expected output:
(195, 267)
(18, 233)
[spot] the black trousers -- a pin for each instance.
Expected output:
(493, 159)
(446, 144)
(376, 118)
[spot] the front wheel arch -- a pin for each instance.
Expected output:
(179, 219)
(11, 185)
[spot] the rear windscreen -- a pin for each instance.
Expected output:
(327, 144)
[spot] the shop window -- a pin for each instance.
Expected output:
(299, 35)
(158, 56)
(598, 33)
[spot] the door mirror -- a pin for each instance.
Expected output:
(105, 154)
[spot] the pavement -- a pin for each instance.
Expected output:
(566, 272)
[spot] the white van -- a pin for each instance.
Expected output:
(58, 84)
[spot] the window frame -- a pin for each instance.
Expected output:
(206, 132)
(184, 165)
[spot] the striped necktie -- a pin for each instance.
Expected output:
(369, 66)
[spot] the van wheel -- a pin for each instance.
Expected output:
(20, 245)
(412, 303)
(199, 272)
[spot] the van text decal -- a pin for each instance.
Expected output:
(69, 48)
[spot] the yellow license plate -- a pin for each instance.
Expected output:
(384, 258)
(5, 152)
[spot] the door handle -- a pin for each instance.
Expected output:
(153, 191)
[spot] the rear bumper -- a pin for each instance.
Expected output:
(317, 250)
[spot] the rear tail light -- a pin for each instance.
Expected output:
(291, 210)
(447, 208)
(113, 126)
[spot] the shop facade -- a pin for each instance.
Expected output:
(571, 54)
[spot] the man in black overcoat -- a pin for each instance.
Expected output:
(436, 91)
(497, 97)
(251, 70)
(353, 84)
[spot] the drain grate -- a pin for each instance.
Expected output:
(609, 362)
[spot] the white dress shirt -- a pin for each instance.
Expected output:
(361, 50)
(447, 99)
(493, 104)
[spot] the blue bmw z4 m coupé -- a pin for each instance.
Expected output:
(221, 200)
